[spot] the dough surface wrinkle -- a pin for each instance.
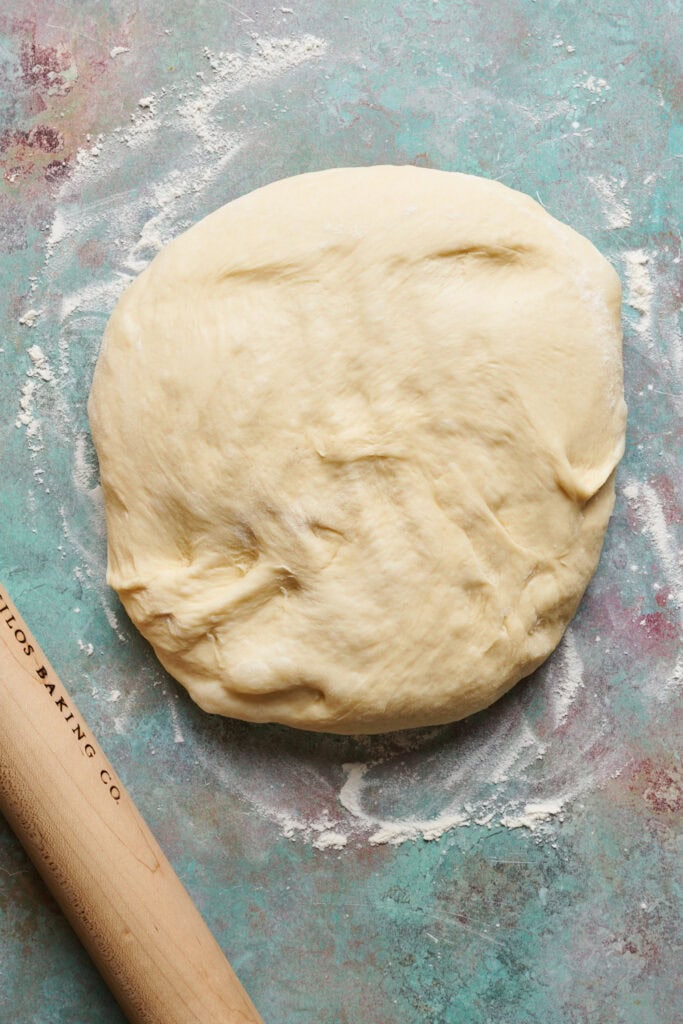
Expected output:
(357, 433)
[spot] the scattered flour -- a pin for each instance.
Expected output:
(330, 841)
(232, 72)
(533, 814)
(37, 375)
(594, 84)
(644, 501)
(640, 287)
(615, 208)
(30, 317)
(98, 294)
(569, 678)
(137, 222)
(114, 623)
(41, 367)
(178, 736)
(122, 719)
(392, 832)
(25, 417)
(116, 51)
(59, 230)
(525, 739)
(83, 473)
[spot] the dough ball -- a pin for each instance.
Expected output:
(357, 433)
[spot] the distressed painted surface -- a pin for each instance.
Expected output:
(120, 124)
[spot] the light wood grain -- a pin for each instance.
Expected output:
(88, 841)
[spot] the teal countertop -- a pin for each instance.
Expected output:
(520, 867)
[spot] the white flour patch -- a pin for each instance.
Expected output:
(594, 84)
(122, 720)
(640, 287)
(533, 815)
(84, 474)
(350, 793)
(233, 72)
(569, 678)
(58, 232)
(330, 841)
(178, 736)
(37, 375)
(644, 501)
(98, 295)
(614, 206)
(429, 829)
(386, 831)
(114, 623)
(651, 515)
(30, 317)
(25, 417)
(524, 740)
(41, 367)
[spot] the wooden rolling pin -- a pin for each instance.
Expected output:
(86, 838)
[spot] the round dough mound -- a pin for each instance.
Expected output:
(357, 433)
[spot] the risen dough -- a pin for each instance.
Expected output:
(357, 433)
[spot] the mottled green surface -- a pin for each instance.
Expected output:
(576, 921)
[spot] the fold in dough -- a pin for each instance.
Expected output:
(357, 433)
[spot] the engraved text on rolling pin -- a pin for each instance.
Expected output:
(28, 647)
